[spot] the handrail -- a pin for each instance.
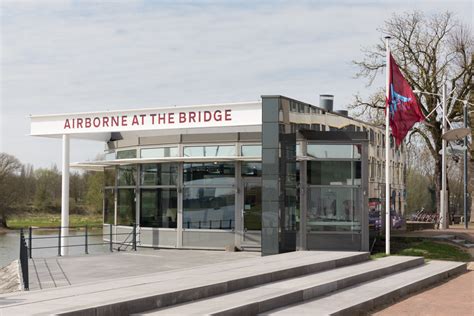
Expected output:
(24, 261)
(133, 234)
(85, 235)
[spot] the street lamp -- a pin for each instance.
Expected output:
(451, 135)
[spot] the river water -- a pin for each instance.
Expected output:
(10, 244)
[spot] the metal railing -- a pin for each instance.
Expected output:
(24, 261)
(86, 235)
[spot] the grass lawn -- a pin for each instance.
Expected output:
(425, 248)
(46, 220)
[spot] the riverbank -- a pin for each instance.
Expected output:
(10, 278)
(50, 220)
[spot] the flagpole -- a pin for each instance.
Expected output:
(387, 152)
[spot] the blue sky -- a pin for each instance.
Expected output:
(70, 56)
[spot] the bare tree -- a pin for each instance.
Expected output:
(9, 191)
(426, 48)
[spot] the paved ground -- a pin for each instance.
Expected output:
(63, 271)
(455, 297)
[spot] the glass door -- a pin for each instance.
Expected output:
(252, 211)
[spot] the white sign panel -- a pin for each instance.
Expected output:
(200, 116)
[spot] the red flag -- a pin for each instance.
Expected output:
(404, 108)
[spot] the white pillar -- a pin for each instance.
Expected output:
(65, 197)
(443, 196)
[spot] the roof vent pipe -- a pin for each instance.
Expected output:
(326, 102)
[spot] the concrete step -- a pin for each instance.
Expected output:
(360, 299)
(282, 293)
(144, 293)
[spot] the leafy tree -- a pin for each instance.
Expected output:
(427, 49)
(48, 189)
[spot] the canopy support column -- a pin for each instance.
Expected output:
(65, 197)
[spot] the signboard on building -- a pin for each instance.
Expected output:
(225, 115)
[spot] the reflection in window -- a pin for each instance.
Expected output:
(251, 169)
(109, 176)
(334, 151)
(209, 151)
(125, 207)
(109, 207)
(252, 150)
(109, 156)
(159, 152)
(158, 208)
(209, 173)
(333, 209)
(127, 154)
(127, 175)
(159, 174)
(334, 172)
(208, 208)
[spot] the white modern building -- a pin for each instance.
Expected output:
(278, 174)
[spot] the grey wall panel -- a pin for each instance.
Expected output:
(208, 239)
(158, 237)
(247, 137)
(210, 138)
(160, 140)
(130, 141)
(338, 242)
(122, 232)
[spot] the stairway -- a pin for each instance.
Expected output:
(357, 288)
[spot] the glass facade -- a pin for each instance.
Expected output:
(209, 151)
(159, 208)
(126, 214)
(109, 206)
(209, 173)
(209, 208)
(160, 152)
(159, 174)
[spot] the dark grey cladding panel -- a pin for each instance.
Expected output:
(270, 161)
(270, 137)
(210, 138)
(250, 137)
(158, 140)
(270, 190)
(335, 135)
(270, 241)
(270, 108)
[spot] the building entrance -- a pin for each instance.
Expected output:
(252, 211)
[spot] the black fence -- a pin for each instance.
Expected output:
(24, 261)
(27, 244)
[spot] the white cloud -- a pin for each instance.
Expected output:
(78, 56)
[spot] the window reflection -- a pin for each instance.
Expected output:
(251, 150)
(109, 207)
(333, 209)
(158, 208)
(125, 207)
(159, 152)
(251, 169)
(159, 174)
(208, 208)
(217, 173)
(127, 175)
(324, 151)
(209, 151)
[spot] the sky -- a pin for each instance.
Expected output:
(81, 56)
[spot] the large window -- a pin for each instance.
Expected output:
(125, 206)
(127, 154)
(209, 151)
(334, 172)
(127, 175)
(159, 174)
(159, 152)
(251, 150)
(109, 207)
(324, 151)
(251, 169)
(209, 173)
(158, 208)
(109, 176)
(208, 208)
(333, 209)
